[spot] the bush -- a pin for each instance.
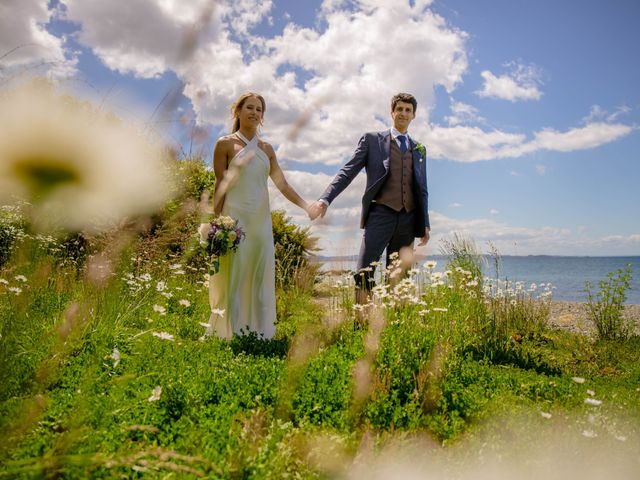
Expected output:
(292, 247)
(606, 309)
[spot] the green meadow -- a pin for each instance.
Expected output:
(105, 371)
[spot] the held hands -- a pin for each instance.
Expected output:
(316, 209)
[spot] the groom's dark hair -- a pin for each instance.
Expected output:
(406, 98)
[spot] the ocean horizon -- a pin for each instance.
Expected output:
(567, 274)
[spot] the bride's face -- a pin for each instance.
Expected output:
(250, 113)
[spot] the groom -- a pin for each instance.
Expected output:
(394, 204)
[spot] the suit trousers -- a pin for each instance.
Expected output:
(385, 228)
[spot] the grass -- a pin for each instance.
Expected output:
(451, 358)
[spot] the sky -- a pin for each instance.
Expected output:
(529, 111)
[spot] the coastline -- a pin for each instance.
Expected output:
(573, 316)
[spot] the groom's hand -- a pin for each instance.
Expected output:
(425, 238)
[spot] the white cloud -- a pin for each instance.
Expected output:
(310, 72)
(463, 113)
(583, 138)
(455, 205)
(541, 169)
(143, 37)
(598, 114)
(493, 211)
(25, 44)
(521, 83)
(472, 144)
(348, 79)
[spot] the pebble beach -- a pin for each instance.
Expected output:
(573, 316)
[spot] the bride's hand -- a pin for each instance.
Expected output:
(313, 211)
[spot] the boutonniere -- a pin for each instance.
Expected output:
(422, 150)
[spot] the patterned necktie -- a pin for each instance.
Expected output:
(403, 143)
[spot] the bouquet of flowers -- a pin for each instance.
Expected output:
(219, 237)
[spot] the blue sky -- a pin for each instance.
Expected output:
(529, 110)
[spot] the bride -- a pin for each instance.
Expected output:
(242, 293)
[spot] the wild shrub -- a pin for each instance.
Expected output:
(606, 308)
(293, 245)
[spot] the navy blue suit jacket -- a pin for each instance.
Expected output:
(372, 154)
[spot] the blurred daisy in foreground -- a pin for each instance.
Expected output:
(78, 168)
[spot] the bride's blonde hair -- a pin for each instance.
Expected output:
(237, 105)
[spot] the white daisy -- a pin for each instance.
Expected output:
(78, 168)
(163, 335)
(155, 394)
(160, 309)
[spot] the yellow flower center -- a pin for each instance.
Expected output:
(42, 174)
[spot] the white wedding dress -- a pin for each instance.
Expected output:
(242, 293)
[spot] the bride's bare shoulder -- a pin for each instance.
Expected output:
(226, 139)
(225, 143)
(266, 148)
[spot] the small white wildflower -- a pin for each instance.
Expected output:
(472, 283)
(439, 309)
(145, 277)
(204, 324)
(178, 272)
(175, 266)
(161, 286)
(422, 313)
(185, 303)
(591, 392)
(160, 309)
(166, 294)
(218, 311)
(115, 355)
(589, 434)
(578, 379)
(163, 335)
(593, 402)
(21, 278)
(430, 265)
(16, 290)
(620, 438)
(545, 415)
(155, 394)
(3, 281)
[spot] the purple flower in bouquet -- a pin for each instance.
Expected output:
(219, 237)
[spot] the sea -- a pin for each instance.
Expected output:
(568, 275)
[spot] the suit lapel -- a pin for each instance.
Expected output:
(384, 140)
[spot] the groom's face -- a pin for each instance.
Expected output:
(402, 114)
